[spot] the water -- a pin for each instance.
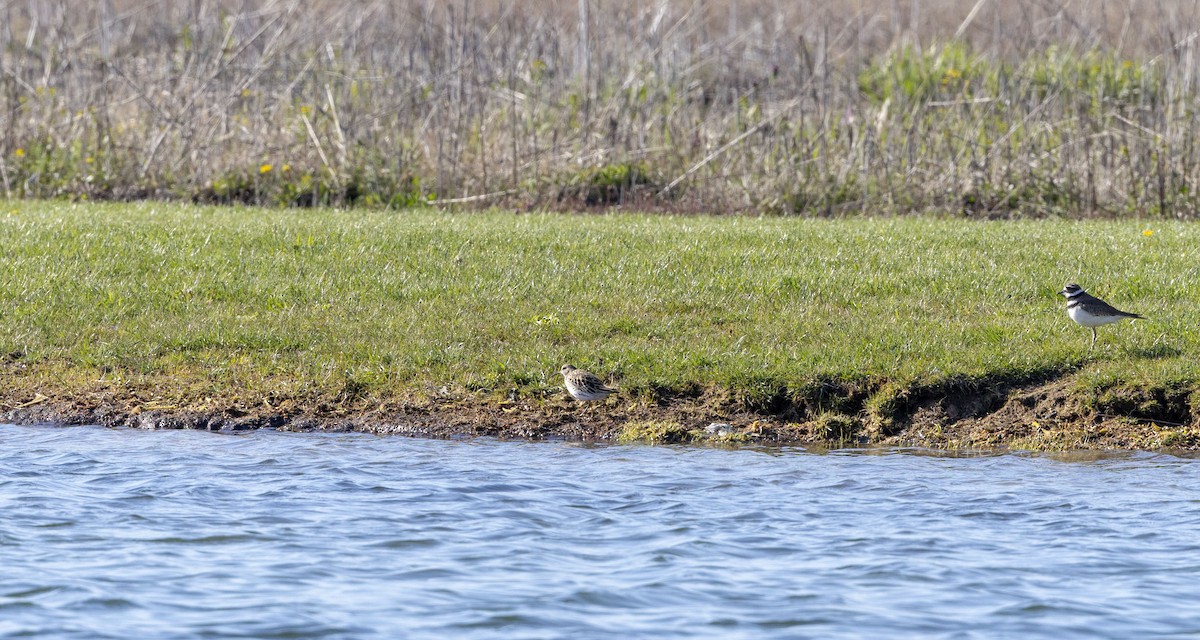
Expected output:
(120, 534)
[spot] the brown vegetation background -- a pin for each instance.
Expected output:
(983, 107)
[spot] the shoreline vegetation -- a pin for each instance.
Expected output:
(984, 110)
(907, 331)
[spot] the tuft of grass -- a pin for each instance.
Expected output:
(838, 429)
(655, 432)
(1185, 438)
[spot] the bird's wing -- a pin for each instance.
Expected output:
(593, 382)
(1108, 309)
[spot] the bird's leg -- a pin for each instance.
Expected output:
(1093, 340)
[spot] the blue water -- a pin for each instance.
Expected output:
(120, 534)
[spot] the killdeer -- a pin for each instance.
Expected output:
(583, 385)
(1090, 311)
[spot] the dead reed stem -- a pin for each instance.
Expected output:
(984, 108)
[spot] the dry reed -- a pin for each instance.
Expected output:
(1029, 107)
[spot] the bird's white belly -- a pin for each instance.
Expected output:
(586, 396)
(1078, 314)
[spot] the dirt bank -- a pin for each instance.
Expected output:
(1048, 414)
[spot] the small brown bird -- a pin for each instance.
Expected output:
(583, 385)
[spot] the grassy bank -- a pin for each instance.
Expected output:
(1011, 109)
(797, 321)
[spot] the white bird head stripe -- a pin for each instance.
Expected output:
(1072, 290)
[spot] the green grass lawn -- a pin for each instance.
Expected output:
(232, 300)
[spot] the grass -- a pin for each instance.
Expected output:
(271, 305)
(993, 109)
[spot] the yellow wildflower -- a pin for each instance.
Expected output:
(1148, 232)
(20, 153)
(266, 168)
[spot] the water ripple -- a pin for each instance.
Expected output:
(120, 533)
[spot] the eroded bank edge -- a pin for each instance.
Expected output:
(1045, 411)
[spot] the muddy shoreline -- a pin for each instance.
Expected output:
(1040, 415)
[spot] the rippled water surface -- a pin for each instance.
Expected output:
(122, 534)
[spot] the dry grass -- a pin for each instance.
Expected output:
(989, 108)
